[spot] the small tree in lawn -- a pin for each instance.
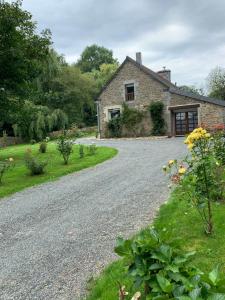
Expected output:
(65, 147)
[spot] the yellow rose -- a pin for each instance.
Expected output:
(182, 170)
(11, 159)
(171, 162)
(190, 146)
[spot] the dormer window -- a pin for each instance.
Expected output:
(129, 92)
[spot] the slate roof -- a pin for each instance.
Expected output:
(179, 92)
(173, 89)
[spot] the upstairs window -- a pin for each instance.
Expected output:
(129, 92)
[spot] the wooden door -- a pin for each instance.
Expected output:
(185, 122)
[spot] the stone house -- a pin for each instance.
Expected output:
(137, 86)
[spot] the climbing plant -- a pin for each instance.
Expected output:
(129, 119)
(156, 111)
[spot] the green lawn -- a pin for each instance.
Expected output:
(18, 177)
(176, 220)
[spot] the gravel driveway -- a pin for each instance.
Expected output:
(53, 237)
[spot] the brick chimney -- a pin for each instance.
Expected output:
(165, 73)
(138, 58)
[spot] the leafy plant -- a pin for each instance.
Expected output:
(5, 166)
(219, 145)
(131, 117)
(65, 147)
(43, 147)
(115, 127)
(156, 111)
(81, 151)
(32, 141)
(36, 121)
(162, 271)
(199, 180)
(35, 166)
(92, 149)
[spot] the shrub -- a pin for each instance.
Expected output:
(156, 111)
(162, 271)
(81, 151)
(43, 147)
(196, 175)
(35, 166)
(219, 145)
(32, 142)
(65, 147)
(115, 127)
(5, 166)
(131, 117)
(92, 149)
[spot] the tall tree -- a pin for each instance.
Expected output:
(216, 83)
(105, 72)
(22, 52)
(93, 57)
(73, 92)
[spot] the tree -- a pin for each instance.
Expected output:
(216, 83)
(51, 68)
(105, 72)
(36, 121)
(93, 57)
(192, 89)
(74, 93)
(22, 53)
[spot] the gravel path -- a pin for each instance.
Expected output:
(53, 237)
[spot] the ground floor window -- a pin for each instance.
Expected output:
(185, 122)
(113, 113)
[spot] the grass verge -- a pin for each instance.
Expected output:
(18, 177)
(175, 219)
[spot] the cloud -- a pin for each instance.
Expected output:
(186, 36)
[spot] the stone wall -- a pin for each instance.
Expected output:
(10, 140)
(146, 90)
(209, 114)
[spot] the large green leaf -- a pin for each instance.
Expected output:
(123, 247)
(154, 234)
(214, 275)
(166, 251)
(195, 294)
(164, 283)
(155, 266)
(217, 297)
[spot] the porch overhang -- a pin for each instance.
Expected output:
(184, 106)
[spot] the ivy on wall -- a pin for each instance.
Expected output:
(129, 119)
(156, 111)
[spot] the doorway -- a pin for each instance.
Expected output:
(185, 122)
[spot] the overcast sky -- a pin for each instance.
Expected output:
(186, 36)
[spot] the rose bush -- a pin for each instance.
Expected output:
(197, 175)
